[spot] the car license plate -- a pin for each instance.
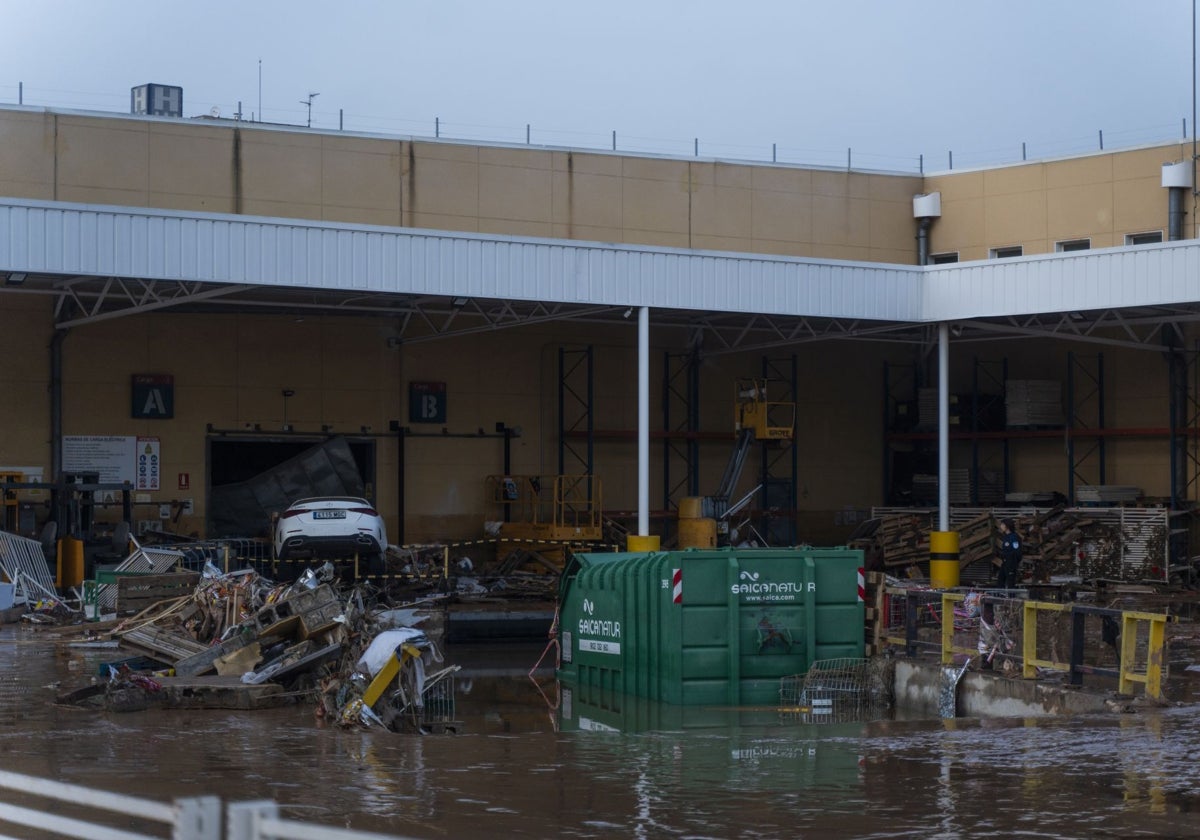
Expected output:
(329, 514)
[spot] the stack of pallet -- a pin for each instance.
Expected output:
(1054, 540)
(925, 487)
(927, 409)
(875, 621)
(1051, 541)
(1033, 402)
(976, 542)
(1108, 494)
(903, 540)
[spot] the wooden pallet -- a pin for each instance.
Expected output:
(137, 592)
(874, 620)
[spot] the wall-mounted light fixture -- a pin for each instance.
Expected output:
(287, 392)
(459, 302)
(16, 278)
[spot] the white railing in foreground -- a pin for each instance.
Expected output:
(193, 818)
(261, 821)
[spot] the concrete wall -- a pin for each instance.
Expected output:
(918, 687)
(219, 167)
(1101, 197)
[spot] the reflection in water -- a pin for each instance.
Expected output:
(618, 768)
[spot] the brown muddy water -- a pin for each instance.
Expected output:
(522, 769)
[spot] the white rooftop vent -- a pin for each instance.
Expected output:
(927, 206)
(1177, 174)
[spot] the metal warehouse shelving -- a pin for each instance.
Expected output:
(1085, 433)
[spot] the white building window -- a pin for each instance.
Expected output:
(1148, 237)
(1072, 245)
(1006, 252)
(942, 259)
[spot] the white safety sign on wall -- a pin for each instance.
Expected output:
(116, 459)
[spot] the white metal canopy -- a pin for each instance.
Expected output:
(103, 262)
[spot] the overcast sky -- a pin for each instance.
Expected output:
(889, 80)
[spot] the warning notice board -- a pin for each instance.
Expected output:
(115, 459)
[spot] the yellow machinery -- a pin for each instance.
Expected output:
(753, 411)
(10, 501)
(390, 671)
(705, 519)
(548, 513)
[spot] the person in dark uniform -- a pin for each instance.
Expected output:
(1010, 555)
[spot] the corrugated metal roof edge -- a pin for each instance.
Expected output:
(1119, 277)
(581, 244)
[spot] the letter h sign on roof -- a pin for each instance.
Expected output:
(153, 396)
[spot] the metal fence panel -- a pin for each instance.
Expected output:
(150, 560)
(23, 555)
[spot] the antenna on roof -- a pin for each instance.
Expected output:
(308, 102)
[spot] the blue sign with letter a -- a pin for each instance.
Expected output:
(153, 396)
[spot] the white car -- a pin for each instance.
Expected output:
(330, 526)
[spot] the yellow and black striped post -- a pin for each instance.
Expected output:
(943, 559)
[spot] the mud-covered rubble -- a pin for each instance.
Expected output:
(1083, 544)
(242, 641)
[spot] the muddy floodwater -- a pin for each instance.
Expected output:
(520, 768)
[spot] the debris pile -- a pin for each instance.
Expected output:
(1056, 542)
(242, 641)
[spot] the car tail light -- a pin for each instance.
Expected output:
(288, 514)
(364, 511)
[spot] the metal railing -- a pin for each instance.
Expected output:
(1131, 669)
(261, 821)
(23, 557)
(1033, 635)
(93, 815)
(571, 501)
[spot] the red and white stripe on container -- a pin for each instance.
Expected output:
(862, 584)
(677, 586)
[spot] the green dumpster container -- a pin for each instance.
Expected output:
(707, 626)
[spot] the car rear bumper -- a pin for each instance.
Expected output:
(340, 545)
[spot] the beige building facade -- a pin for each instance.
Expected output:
(350, 374)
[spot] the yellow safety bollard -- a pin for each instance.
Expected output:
(943, 559)
(641, 543)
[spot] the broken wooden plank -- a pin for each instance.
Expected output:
(162, 643)
(137, 592)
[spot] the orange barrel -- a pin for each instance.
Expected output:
(695, 530)
(697, 533)
(70, 562)
(943, 559)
